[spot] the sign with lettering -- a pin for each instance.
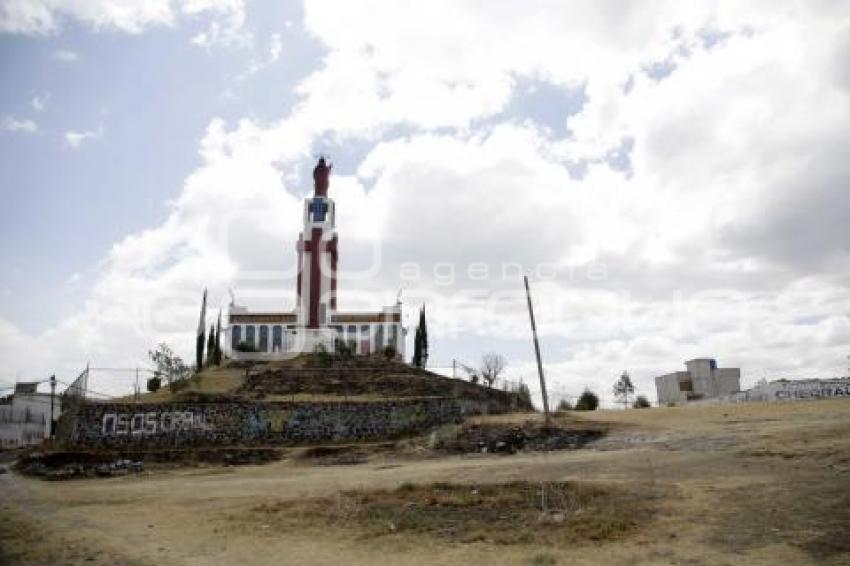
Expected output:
(813, 391)
(143, 424)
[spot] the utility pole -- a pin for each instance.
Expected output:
(537, 352)
(52, 395)
(454, 369)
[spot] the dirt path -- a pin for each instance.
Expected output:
(761, 484)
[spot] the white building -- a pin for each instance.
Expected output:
(25, 416)
(315, 321)
(798, 389)
(702, 379)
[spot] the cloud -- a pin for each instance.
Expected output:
(707, 218)
(12, 124)
(40, 101)
(227, 25)
(75, 139)
(65, 56)
(41, 17)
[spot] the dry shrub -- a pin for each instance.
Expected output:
(509, 513)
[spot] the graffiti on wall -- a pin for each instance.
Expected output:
(118, 424)
(814, 392)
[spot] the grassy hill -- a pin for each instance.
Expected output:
(327, 378)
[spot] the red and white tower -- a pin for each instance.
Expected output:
(317, 260)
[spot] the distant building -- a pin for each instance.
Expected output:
(701, 380)
(315, 320)
(25, 416)
(798, 389)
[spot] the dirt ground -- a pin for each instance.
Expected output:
(745, 484)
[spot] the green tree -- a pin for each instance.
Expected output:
(154, 383)
(199, 342)
(217, 356)
(588, 401)
(624, 387)
(211, 346)
(417, 348)
(641, 402)
(170, 366)
(420, 342)
(424, 326)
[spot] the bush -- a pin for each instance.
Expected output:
(322, 356)
(641, 402)
(564, 405)
(154, 384)
(588, 401)
(170, 366)
(522, 392)
(343, 349)
(390, 353)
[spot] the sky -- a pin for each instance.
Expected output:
(672, 176)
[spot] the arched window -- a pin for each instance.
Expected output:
(235, 336)
(264, 338)
(394, 336)
(249, 335)
(277, 338)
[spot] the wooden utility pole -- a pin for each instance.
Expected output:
(537, 352)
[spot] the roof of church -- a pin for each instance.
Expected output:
(336, 318)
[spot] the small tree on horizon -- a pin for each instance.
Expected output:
(641, 402)
(624, 387)
(492, 366)
(588, 401)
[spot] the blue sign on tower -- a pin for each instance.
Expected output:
(318, 209)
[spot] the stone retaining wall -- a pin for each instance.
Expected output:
(248, 422)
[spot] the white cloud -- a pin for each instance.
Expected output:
(227, 25)
(723, 239)
(40, 17)
(75, 139)
(12, 124)
(65, 55)
(275, 47)
(40, 101)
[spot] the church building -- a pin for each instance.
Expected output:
(315, 322)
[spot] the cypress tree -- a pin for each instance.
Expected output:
(417, 347)
(211, 346)
(424, 338)
(199, 342)
(218, 340)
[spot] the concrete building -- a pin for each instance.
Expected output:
(798, 389)
(315, 320)
(702, 379)
(25, 416)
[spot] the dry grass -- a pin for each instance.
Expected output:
(555, 513)
(215, 381)
(24, 542)
(758, 484)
